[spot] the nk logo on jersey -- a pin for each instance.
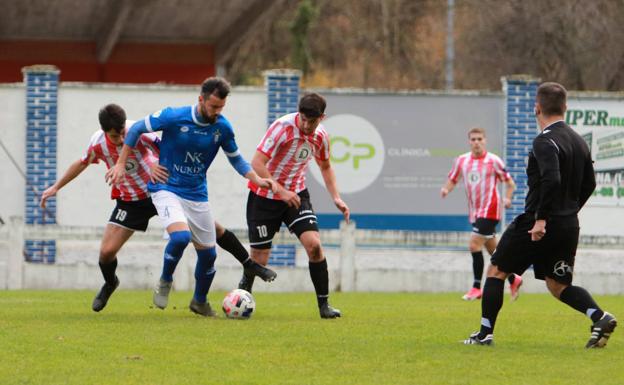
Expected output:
(195, 157)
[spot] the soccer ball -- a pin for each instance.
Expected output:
(239, 304)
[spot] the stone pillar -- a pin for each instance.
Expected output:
(520, 129)
(41, 134)
(347, 256)
(282, 92)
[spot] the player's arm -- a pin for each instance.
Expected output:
(510, 187)
(230, 148)
(546, 154)
(72, 172)
(447, 188)
(258, 163)
(329, 176)
(589, 182)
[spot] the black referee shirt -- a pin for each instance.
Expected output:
(560, 173)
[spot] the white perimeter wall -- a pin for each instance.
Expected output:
(13, 135)
(86, 201)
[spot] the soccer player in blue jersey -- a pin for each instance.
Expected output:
(191, 138)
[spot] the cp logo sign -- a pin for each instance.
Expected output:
(357, 152)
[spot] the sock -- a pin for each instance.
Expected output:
(204, 273)
(232, 245)
(178, 240)
(320, 280)
(511, 278)
(477, 268)
(491, 303)
(108, 271)
(578, 298)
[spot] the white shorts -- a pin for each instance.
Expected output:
(197, 215)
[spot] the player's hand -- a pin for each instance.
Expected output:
(507, 202)
(343, 208)
(291, 198)
(115, 174)
(158, 173)
(539, 230)
(444, 192)
(268, 184)
(49, 192)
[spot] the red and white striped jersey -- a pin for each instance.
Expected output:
(289, 151)
(134, 185)
(480, 178)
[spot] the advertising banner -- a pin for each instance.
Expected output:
(392, 153)
(601, 123)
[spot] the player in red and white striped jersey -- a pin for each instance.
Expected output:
(482, 171)
(133, 207)
(283, 155)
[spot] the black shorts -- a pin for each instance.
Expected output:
(133, 215)
(485, 227)
(265, 216)
(552, 256)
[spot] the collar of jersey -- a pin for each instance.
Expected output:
(551, 125)
(196, 119)
(478, 157)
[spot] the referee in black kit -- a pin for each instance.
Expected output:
(560, 180)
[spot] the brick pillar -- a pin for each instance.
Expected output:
(282, 92)
(41, 134)
(520, 129)
(283, 97)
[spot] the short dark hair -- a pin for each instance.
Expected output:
(312, 105)
(551, 97)
(112, 117)
(215, 86)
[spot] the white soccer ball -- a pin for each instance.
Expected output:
(239, 304)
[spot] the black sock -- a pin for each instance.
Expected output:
(108, 271)
(491, 303)
(320, 280)
(232, 245)
(578, 298)
(477, 268)
(511, 278)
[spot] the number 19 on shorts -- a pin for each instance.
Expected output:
(121, 215)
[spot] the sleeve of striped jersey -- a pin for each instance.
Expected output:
(152, 142)
(154, 122)
(230, 148)
(455, 172)
(499, 168)
(272, 139)
(323, 153)
(90, 156)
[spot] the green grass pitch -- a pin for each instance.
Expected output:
(53, 337)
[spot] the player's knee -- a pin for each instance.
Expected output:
(178, 240)
(108, 254)
(555, 287)
(474, 246)
(315, 252)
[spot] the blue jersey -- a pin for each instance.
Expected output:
(187, 148)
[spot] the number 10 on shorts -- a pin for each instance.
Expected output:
(262, 231)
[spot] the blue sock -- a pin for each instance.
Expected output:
(173, 252)
(204, 273)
